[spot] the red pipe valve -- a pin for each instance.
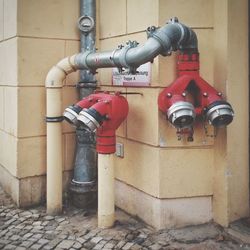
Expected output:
(190, 96)
(103, 113)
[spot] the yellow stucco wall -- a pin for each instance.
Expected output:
(152, 153)
(34, 35)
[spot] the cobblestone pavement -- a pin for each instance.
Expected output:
(77, 229)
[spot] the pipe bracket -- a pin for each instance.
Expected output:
(54, 118)
(81, 60)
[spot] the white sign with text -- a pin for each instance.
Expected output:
(142, 78)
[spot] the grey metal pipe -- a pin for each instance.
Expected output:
(83, 186)
(88, 39)
(171, 37)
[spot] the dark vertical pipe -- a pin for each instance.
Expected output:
(83, 185)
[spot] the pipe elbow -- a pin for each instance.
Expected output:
(190, 42)
(174, 36)
(57, 73)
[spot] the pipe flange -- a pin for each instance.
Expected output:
(81, 60)
(164, 41)
(70, 115)
(123, 53)
(181, 114)
(89, 121)
(220, 114)
(122, 59)
(86, 24)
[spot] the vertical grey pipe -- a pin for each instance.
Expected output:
(83, 185)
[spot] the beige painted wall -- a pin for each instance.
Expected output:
(155, 163)
(152, 152)
(34, 36)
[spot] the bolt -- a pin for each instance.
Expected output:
(205, 94)
(184, 94)
(219, 94)
(169, 95)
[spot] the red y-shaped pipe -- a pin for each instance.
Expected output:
(205, 100)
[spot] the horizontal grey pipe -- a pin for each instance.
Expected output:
(172, 36)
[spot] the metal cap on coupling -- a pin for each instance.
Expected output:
(88, 120)
(181, 114)
(70, 116)
(219, 113)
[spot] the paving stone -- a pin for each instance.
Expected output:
(28, 227)
(43, 241)
(25, 214)
(48, 247)
(27, 235)
(48, 217)
(65, 222)
(44, 223)
(71, 237)
(63, 236)
(54, 243)
(4, 242)
(155, 247)
(120, 244)
(37, 223)
(109, 245)
(14, 237)
(20, 226)
(89, 245)
(36, 247)
(77, 245)
(96, 239)
(128, 245)
(10, 221)
(9, 247)
(38, 236)
(32, 239)
(35, 216)
(26, 244)
(136, 247)
(195, 234)
(100, 245)
(49, 236)
(36, 231)
(81, 240)
(66, 244)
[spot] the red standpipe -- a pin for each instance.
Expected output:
(189, 82)
(107, 112)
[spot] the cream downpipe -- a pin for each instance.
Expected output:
(54, 84)
(106, 196)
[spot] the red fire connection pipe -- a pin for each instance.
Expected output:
(101, 112)
(190, 96)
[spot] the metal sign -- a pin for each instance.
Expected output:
(142, 78)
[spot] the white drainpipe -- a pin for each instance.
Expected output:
(106, 191)
(54, 84)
